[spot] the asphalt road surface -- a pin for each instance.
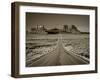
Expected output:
(59, 56)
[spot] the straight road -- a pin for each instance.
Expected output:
(59, 56)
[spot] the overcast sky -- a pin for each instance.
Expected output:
(57, 20)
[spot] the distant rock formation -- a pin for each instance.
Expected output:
(65, 28)
(74, 29)
(53, 31)
(40, 29)
(70, 29)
